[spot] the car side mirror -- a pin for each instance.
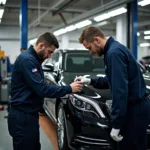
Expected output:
(48, 67)
(147, 67)
(57, 74)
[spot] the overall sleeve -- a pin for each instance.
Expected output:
(100, 83)
(117, 68)
(36, 82)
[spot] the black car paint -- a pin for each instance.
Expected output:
(83, 130)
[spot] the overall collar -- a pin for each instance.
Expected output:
(32, 50)
(108, 44)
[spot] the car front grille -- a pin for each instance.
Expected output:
(91, 141)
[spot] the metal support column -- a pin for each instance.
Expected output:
(24, 23)
(132, 26)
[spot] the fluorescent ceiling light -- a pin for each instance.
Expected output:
(32, 41)
(59, 32)
(117, 12)
(1, 13)
(138, 34)
(102, 17)
(3, 2)
(144, 2)
(82, 48)
(83, 24)
(70, 28)
(146, 37)
(146, 32)
(144, 44)
(102, 23)
(113, 13)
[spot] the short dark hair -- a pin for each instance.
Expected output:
(89, 33)
(48, 38)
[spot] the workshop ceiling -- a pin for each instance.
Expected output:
(53, 14)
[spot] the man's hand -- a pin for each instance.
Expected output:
(76, 86)
(115, 135)
(83, 80)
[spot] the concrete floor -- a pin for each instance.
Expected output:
(6, 141)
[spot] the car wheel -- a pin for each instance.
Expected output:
(61, 129)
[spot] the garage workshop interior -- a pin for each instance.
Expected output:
(74, 74)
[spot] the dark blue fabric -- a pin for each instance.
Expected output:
(124, 79)
(24, 129)
(28, 87)
(135, 126)
(100, 82)
(9, 68)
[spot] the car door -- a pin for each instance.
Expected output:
(50, 78)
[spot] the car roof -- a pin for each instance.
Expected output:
(72, 50)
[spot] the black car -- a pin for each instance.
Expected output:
(145, 60)
(83, 119)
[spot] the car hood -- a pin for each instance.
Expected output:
(69, 77)
(88, 91)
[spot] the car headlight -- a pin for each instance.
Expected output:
(86, 105)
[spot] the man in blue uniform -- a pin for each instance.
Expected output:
(130, 103)
(28, 90)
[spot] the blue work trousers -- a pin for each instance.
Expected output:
(134, 130)
(24, 129)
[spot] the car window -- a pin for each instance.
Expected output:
(75, 62)
(55, 57)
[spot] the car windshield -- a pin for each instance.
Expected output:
(83, 62)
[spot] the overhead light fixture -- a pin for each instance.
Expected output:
(102, 23)
(80, 48)
(144, 2)
(3, 2)
(83, 24)
(138, 34)
(64, 30)
(32, 41)
(144, 44)
(117, 12)
(113, 13)
(70, 28)
(146, 37)
(146, 32)
(102, 17)
(1, 13)
(59, 32)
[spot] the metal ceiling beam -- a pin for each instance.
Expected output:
(45, 13)
(144, 23)
(143, 14)
(63, 18)
(67, 4)
(69, 10)
(96, 11)
(144, 10)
